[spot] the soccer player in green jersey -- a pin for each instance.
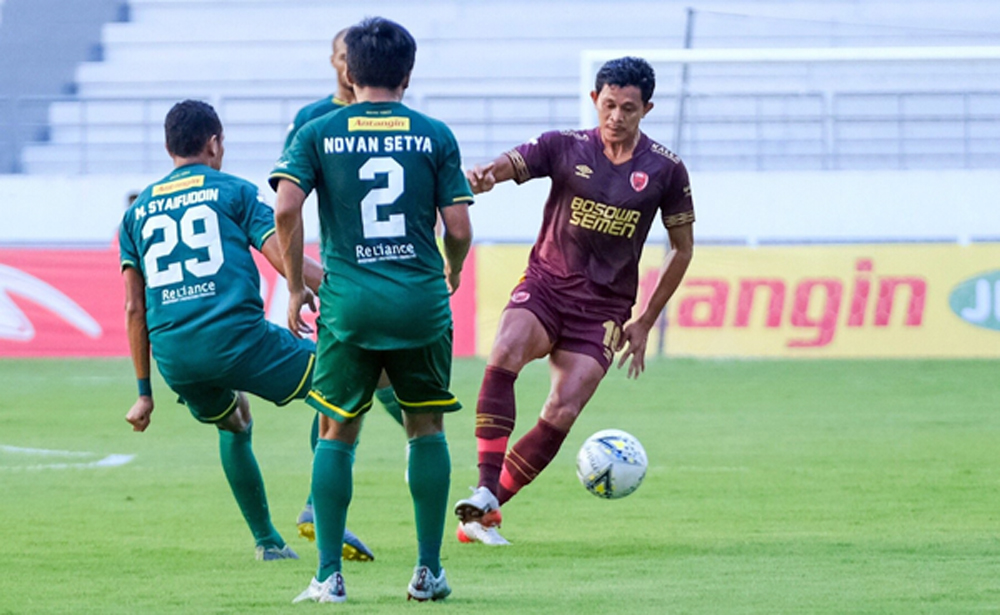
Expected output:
(343, 97)
(382, 173)
(193, 299)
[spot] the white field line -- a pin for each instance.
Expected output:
(110, 461)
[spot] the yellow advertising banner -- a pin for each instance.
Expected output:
(856, 300)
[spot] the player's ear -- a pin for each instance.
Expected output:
(349, 77)
(647, 108)
(593, 96)
(406, 81)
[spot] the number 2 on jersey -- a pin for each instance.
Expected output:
(395, 226)
(207, 238)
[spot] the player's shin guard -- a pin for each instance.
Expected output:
(332, 488)
(495, 413)
(247, 485)
(429, 468)
(528, 457)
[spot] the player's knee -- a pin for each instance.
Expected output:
(560, 415)
(422, 424)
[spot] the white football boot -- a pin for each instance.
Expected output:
(481, 502)
(330, 590)
(474, 531)
(424, 586)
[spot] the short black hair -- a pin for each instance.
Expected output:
(627, 71)
(380, 53)
(189, 126)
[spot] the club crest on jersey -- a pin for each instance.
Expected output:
(520, 296)
(639, 181)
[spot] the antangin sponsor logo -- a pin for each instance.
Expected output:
(382, 124)
(195, 181)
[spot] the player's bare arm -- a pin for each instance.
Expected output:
(457, 240)
(482, 178)
(636, 333)
(138, 340)
(288, 220)
(312, 271)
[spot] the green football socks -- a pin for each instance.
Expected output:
(247, 484)
(430, 478)
(332, 487)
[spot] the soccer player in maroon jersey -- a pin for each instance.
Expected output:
(574, 302)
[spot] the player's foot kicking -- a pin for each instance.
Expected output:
(481, 502)
(330, 590)
(268, 554)
(424, 585)
(354, 549)
(484, 530)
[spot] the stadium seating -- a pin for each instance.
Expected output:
(500, 72)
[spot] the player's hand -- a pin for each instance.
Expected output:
(633, 340)
(481, 178)
(454, 279)
(140, 413)
(296, 301)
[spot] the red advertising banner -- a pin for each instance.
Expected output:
(70, 303)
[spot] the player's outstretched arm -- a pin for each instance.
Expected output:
(482, 178)
(138, 340)
(636, 333)
(288, 220)
(312, 271)
(457, 240)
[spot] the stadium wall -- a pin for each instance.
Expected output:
(835, 264)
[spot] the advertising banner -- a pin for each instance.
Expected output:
(70, 303)
(856, 300)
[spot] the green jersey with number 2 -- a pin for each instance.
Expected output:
(381, 171)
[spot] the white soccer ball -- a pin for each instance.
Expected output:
(611, 464)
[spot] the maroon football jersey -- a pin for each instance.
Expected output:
(598, 214)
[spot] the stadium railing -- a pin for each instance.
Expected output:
(735, 131)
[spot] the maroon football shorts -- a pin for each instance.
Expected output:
(573, 325)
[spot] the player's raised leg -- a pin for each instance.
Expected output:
(245, 480)
(575, 378)
(521, 338)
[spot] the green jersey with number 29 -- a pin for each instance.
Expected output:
(189, 235)
(381, 171)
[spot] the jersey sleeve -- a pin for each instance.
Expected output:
(257, 217)
(677, 206)
(128, 251)
(452, 186)
(534, 158)
(300, 161)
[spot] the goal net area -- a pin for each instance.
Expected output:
(820, 108)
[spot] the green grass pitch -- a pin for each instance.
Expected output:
(773, 487)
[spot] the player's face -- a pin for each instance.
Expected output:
(339, 61)
(619, 110)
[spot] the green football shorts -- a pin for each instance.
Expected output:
(279, 369)
(346, 375)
